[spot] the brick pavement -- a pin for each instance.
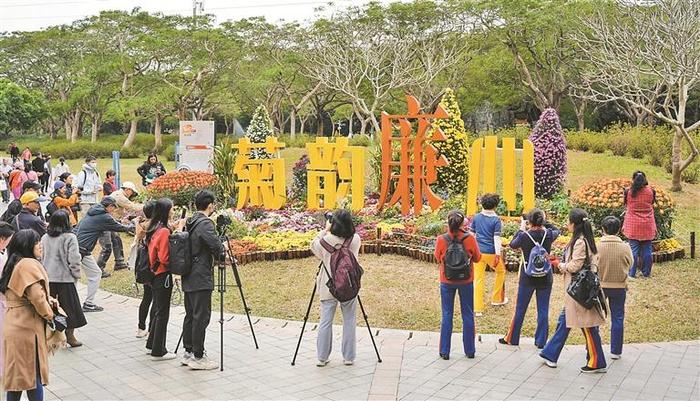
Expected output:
(112, 365)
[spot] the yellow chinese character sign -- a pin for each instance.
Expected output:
(416, 167)
(260, 182)
(486, 148)
(335, 170)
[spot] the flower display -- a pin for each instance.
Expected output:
(180, 186)
(259, 129)
(299, 178)
(550, 154)
(452, 179)
(282, 240)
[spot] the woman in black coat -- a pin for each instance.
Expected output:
(150, 169)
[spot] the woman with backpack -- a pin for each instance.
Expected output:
(456, 252)
(62, 262)
(147, 298)
(157, 241)
(579, 254)
(339, 232)
(640, 225)
(536, 244)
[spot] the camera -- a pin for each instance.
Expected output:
(222, 223)
(328, 216)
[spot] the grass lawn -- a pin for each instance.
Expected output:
(402, 293)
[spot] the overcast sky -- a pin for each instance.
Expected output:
(29, 15)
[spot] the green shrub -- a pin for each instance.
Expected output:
(169, 152)
(361, 140)
(598, 144)
(299, 141)
(519, 132)
(691, 174)
(619, 144)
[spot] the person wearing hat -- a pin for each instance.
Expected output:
(109, 241)
(16, 206)
(96, 222)
(61, 201)
(28, 218)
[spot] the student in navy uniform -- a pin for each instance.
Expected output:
(540, 232)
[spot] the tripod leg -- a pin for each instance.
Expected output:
(303, 326)
(364, 315)
(222, 290)
(240, 289)
(177, 347)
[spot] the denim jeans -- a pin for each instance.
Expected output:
(525, 292)
(616, 300)
(466, 303)
(642, 248)
(595, 358)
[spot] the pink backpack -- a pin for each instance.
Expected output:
(346, 272)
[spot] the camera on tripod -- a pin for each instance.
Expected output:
(222, 223)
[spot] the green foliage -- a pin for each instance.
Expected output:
(452, 178)
(519, 132)
(20, 108)
(299, 178)
(509, 229)
(361, 140)
(169, 152)
(259, 129)
(223, 163)
(299, 141)
(502, 208)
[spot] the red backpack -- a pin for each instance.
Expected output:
(346, 273)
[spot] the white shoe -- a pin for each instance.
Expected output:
(478, 314)
(186, 359)
(505, 301)
(165, 357)
(548, 362)
(615, 356)
(148, 351)
(348, 363)
(203, 363)
(321, 364)
(141, 333)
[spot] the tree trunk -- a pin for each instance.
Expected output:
(95, 124)
(320, 131)
(66, 125)
(131, 138)
(350, 126)
(676, 161)
(226, 124)
(293, 123)
(157, 133)
(301, 128)
(76, 126)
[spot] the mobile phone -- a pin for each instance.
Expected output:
(184, 213)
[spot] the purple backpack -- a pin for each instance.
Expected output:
(346, 272)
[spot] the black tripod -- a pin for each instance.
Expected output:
(221, 288)
(308, 310)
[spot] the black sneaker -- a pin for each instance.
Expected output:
(470, 356)
(586, 369)
(445, 356)
(503, 341)
(121, 266)
(92, 308)
(106, 274)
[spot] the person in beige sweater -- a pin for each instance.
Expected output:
(581, 248)
(614, 257)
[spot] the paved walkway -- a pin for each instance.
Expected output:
(113, 365)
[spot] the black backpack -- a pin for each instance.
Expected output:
(142, 269)
(51, 208)
(181, 252)
(457, 261)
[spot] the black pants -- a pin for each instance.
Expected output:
(146, 304)
(44, 179)
(162, 291)
(197, 316)
(108, 241)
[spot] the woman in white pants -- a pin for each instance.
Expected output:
(339, 231)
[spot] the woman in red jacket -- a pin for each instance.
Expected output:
(640, 226)
(157, 236)
(456, 251)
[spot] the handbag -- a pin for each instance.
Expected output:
(55, 331)
(584, 287)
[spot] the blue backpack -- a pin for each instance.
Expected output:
(538, 265)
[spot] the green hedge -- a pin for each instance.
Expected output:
(82, 148)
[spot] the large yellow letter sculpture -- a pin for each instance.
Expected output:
(417, 167)
(486, 148)
(261, 182)
(334, 171)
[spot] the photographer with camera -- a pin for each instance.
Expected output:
(338, 234)
(199, 283)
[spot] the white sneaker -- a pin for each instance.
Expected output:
(478, 314)
(321, 364)
(203, 363)
(186, 359)
(548, 362)
(615, 356)
(348, 363)
(165, 357)
(141, 333)
(505, 301)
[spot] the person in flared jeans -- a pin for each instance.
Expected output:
(325, 330)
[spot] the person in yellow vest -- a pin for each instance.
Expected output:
(486, 225)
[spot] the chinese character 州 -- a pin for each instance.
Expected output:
(334, 171)
(417, 167)
(260, 182)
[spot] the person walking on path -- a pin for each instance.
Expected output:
(147, 298)
(48, 172)
(26, 158)
(62, 262)
(157, 240)
(6, 232)
(88, 181)
(199, 284)
(150, 169)
(580, 251)
(614, 258)
(29, 307)
(467, 247)
(339, 232)
(540, 235)
(487, 228)
(14, 152)
(5, 170)
(39, 166)
(640, 225)
(97, 220)
(17, 178)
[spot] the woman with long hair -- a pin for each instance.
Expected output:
(541, 234)
(462, 283)
(640, 225)
(62, 262)
(339, 231)
(147, 299)
(580, 252)
(151, 169)
(157, 236)
(6, 232)
(28, 307)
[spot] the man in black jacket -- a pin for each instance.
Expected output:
(27, 217)
(199, 284)
(97, 221)
(15, 206)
